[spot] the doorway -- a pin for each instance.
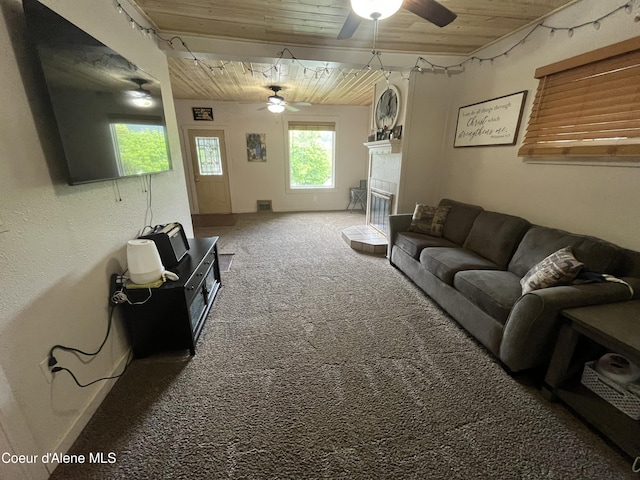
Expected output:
(210, 173)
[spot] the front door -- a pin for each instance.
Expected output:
(210, 174)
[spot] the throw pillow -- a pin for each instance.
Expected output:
(559, 268)
(429, 220)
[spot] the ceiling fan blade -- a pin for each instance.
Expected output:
(302, 104)
(291, 109)
(350, 26)
(431, 11)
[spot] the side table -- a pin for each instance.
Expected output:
(615, 327)
(172, 316)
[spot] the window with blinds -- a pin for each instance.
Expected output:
(587, 105)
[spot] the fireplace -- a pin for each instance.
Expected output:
(385, 159)
(379, 210)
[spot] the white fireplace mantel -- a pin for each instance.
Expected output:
(384, 146)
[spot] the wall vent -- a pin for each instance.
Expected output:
(264, 205)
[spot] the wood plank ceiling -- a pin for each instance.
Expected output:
(315, 24)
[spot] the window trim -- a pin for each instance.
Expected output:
(286, 120)
(533, 147)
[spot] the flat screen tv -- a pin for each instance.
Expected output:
(108, 112)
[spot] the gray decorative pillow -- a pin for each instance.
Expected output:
(429, 220)
(559, 268)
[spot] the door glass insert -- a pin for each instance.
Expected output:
(209, 158)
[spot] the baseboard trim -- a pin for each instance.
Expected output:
(73, 432)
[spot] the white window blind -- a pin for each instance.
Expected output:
(313, 126)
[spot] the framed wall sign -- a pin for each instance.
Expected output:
(492, 122)
(202, 113)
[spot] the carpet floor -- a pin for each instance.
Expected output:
(320, 362)
(225, 260)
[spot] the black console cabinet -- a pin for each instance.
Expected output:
(173, 317)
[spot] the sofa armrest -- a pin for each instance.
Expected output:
(634, 283)
(397, 223)
(530, 332)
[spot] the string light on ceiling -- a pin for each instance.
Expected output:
(386, 6)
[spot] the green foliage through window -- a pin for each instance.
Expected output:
(141, 149)
(311, 158)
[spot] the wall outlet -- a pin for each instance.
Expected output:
(315, 198)
(46, 370)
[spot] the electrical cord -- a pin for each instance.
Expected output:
(53, 362)
(52, 359)
(121, 297)
(149, 211)
(81, 385)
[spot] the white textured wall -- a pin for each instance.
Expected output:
(63, 242)
(591, 199)
(251, 181)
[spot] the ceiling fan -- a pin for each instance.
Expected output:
(140, 97)
(277, 104)
(430, 10)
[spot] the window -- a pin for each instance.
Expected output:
(587, 105)
(311, 155)
(209, 158)
(140, 148)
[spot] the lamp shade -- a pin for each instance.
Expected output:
(375, 9)
(143, 261)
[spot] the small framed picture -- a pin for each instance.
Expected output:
(257, 147)
(203, 113)
(397, 132)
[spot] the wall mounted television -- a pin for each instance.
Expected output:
(108, 112)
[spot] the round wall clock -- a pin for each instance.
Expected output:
(387, 108)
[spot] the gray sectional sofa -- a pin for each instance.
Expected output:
(473, 271)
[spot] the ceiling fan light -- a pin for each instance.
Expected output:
(142, 102)
(375, 9)
(276, 100)
(275, 107)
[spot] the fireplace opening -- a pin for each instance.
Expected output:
(379, 210)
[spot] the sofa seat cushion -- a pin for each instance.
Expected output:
(445, 262)
(413, 243)
(494, 292)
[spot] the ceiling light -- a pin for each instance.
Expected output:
(375, 9)
(143, 102)
(140, 97)
(275, 107)
(276, 100)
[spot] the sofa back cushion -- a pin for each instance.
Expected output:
(630, 265)
(536, 245)
(459, 220)
(540, 242)
(496, 235)
(599, 256)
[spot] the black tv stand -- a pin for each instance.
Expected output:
(173, 316)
